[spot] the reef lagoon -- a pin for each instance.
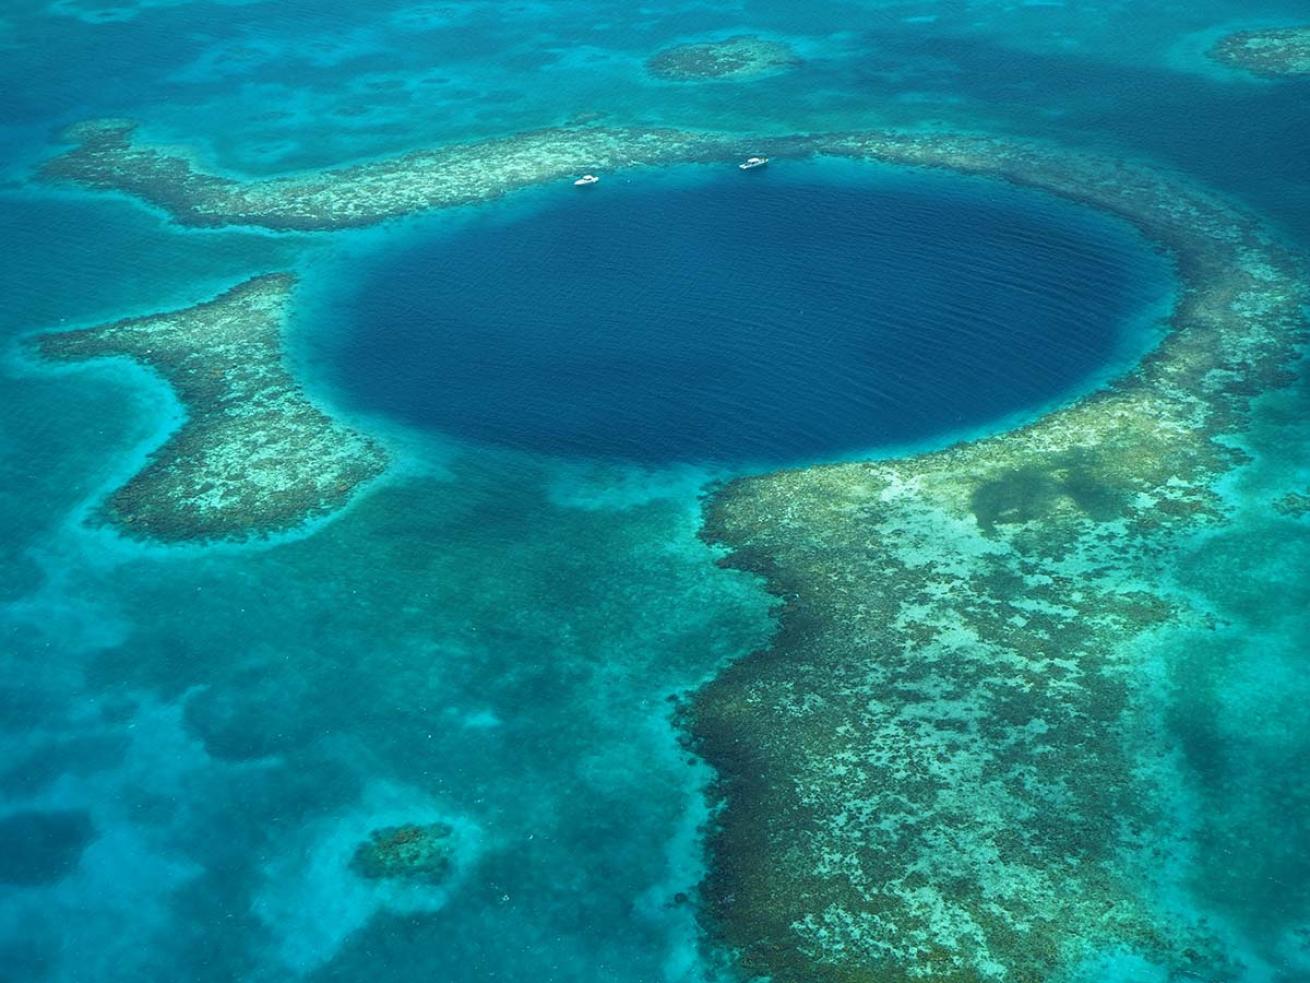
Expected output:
(889, 564)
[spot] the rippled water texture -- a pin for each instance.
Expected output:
(766, 318)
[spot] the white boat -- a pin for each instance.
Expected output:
(750, 163)
(585, 180)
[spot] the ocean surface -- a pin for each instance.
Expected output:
(194, 739)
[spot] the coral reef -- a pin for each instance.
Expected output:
(254, 456)
(1274, 52)
(936, 771)
(107, 157)
(738, 58)
(928, 775)
(1295, 504)
(410, 852)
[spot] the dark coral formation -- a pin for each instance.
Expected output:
(1295, 504)
(738, 58)
(1274, 52)
(410, 852)
(928, 775)
(254, 456)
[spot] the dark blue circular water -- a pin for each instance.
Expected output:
(783, 316)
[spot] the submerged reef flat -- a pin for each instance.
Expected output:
(254, 456)
(736, 59)
(107, 157)
(940, 770)
(1273, 52)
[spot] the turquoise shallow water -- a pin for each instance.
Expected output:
(194, 739)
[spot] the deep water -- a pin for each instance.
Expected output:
(775, 317)
(194, 739)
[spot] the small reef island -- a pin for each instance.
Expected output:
(411, 852)
(736, 59)
(1273, 52)
(254, 456)
(911, 788)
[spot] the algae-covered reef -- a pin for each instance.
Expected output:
(1273, 52)
(940, 770)
(107, 157)
(254, 456)
(736, 59)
